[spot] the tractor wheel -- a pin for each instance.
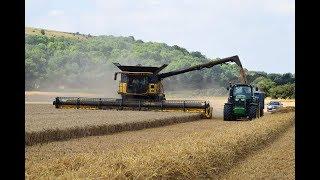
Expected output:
(228, 113)
(253, 112)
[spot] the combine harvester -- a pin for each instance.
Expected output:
(141, 89)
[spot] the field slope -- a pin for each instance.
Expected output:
(53, 33)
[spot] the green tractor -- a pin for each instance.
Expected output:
(244, 101)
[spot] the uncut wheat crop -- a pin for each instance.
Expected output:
(44, 123)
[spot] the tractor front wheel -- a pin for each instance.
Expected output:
(228, 113)
(253, 112)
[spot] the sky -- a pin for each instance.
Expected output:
(260, 32)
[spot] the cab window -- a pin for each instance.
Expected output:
(242, 90)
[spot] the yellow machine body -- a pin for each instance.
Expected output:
(140, 85)
(153, 88)
(205, 113)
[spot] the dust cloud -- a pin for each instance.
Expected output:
(92, 78)
(99, 79)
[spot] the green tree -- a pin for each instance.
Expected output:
(283, 91)
(264, 84)
(197, 54)
(54, 61)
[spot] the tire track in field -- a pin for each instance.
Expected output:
(276, 161)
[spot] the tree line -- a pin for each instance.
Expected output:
(83, 63)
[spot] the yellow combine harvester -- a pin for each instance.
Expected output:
(141, 89)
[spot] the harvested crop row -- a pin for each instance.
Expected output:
(199, 155)
(48, 124)
(41, 117)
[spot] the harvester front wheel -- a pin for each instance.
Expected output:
(207, 114)
(253, 112)
(210, 113)
(228, 113)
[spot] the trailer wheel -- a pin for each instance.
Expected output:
(227, 113)
(261, 112)
(253, 112)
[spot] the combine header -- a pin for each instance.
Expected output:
(141, 89)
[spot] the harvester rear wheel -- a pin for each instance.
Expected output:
(228, 113)
(253, 112)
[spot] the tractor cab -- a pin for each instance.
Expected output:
(240, 92)
(244, 101)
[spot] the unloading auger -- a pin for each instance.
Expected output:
(141, 89)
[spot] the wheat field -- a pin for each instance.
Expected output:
(81, 144)
(276, 161)
(205, 153)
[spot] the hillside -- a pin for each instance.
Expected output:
(70, 61)
(53, 33)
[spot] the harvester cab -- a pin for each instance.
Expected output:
(244, 101)
(140, 82)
